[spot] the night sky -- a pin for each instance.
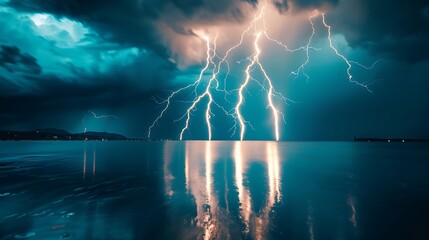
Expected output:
(60, 60)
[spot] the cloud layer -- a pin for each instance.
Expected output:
(58, 57)
(12, 59)
(396, 28)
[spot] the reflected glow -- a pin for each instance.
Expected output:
(210, 213)
(167, 175)
(243, 194)
(198, 179)
(273, 171)
(208, 170)
(202, 182)
(94, 164)
(351, 203)
(310, 222)
(84, 162)
(274, 194)
(85, 159)
(187, 166)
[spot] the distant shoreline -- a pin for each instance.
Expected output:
(52, 134)
(390, 140)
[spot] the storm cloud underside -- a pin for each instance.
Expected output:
(117, 55)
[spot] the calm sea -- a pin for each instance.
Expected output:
(214, 190)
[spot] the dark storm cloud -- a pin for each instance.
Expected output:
(313, 3)
(136, 22)
(53, 96)
(426, 13)
(13, 60)
(284, 5)
(140, 23)
(115, 81)
(102, 69)
(396, 28)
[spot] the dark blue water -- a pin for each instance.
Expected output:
(214, 190)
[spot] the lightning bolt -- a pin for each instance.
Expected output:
(167, 102)
(216, 85)
(307, 51)
(96, 116)
(301, 69)
(256, 61)
(348, 62)
(306, 48)
(243, 86)
(206, 93)
(271, 93)
(101, 116)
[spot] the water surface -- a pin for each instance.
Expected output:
(214, 190)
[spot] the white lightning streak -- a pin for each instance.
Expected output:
(195, 84)
(212, 80)
(307, 51)
(218, 63)
(271, 90)
(207, 93)
(270, 99)
(243, 86)
(348, 62)
(96, 117)
(101, 116)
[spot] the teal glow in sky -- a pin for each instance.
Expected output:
(57, 61)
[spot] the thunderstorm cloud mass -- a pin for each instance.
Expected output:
(359, 69)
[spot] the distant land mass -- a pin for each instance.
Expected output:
(54, 134)
(390, 139)
(59, 134)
